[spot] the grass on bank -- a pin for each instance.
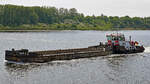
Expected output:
(41, 26)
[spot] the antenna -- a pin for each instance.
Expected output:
(117, 30)
(130, 38)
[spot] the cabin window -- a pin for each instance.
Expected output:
(22, 53)
(120, 38)
(109, 38)
(116, 38)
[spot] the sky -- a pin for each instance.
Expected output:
(132, 8)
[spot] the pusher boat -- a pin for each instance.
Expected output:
(120, 45)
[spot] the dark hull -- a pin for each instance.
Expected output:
(122, 50)
(52, 55)
(67, 54)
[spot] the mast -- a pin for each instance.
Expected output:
(130, 38)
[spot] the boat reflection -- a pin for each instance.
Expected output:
(13, 67)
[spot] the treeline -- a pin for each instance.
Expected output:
(20, 17)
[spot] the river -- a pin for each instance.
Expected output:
(113, 69)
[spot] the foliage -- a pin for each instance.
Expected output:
(51, 18)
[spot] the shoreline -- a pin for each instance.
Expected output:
(65, 30)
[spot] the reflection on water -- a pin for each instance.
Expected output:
(13, 67)
(20, 68)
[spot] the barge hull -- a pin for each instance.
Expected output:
(52, 55)
(67, 54)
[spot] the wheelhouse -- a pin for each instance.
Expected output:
(115, 37)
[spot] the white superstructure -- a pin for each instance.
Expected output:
(119, 40)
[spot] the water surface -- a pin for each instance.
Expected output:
(114, 69)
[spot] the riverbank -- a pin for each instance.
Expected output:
(70, 30)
